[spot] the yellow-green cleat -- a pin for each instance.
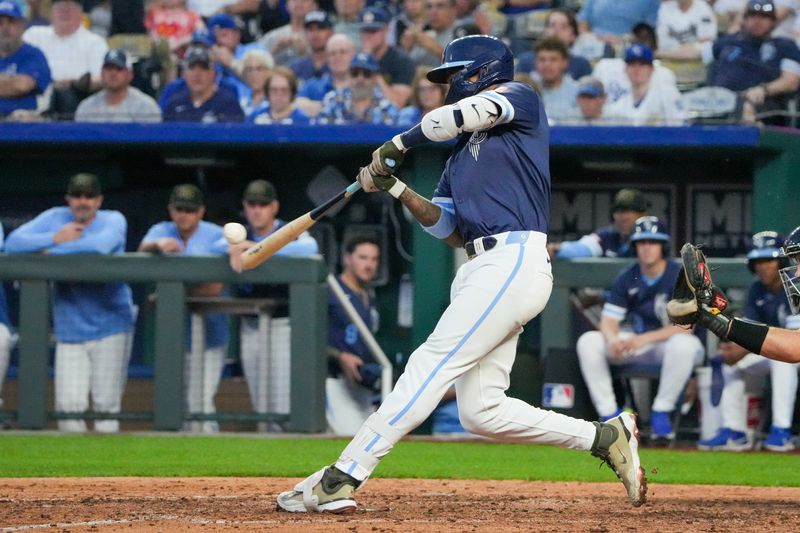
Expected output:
(617, 444)
(328, 491)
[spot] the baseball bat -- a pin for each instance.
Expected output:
(261, 251)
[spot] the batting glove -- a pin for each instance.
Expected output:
(388, 158)
(372, 183)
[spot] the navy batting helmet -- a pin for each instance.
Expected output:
(790, 275)
(649, 229)
(766, 245)
(484, 55)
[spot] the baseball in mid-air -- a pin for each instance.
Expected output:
(234, 232)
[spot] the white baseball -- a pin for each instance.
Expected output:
(234, 232)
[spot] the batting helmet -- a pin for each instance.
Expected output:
(789, 274)
(649, 229)
(484, 55)
(766, 245)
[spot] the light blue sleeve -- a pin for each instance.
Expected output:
(573, 249)
(220, 246)
(36, 235)
(156, 231)
(305, 244)
(109, 239)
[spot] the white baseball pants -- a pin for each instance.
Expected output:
(347, 405)
(678, 356)
(266, 363)
(750, 373)
(98, 368)
(201, 374)
(5, 356)
(474, 346)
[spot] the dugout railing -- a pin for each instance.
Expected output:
(305, 276)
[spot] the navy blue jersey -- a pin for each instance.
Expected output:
(223, 106)
(499, 179)
(768, 307)
(613, 243)
(643, 302)
(342, 333)
(743, 62)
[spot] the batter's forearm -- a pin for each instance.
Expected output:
(426, 212)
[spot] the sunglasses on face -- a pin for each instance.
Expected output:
(356, 72)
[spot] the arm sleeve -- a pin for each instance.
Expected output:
(156, 231)
(110, 238)
(33, 236)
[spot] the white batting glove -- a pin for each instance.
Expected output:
(366, 181)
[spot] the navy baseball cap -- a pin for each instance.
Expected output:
(373, 18)
(203, 37)
(223, 20)
(10, 9)
(365, 61)
(761, 7)
(117, 58)
(320, 18)
(639, 53)
(590, 86)
(197, 54)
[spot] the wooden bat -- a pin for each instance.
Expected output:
(260, 252)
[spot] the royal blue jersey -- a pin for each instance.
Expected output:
(223, 106)
(743, 62)
(303, 68)
(769, 307)
(642, 301)
(342, 333)
(29, 61)
(499, 179)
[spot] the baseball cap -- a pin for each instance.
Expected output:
(629, 200)
(320, 18)
(116, 57)
(260, 191)
(197, 54)
(640, 53)
(761, 7)
(84, 183)
(203, 37)
(186, 196)
(590, 86)
(223, 20)
(373, 17)
(365, 61)
(10, 9)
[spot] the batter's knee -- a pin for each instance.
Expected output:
(478, 418)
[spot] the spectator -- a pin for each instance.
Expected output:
(649, 103)
(561, 24)
(171, 20)
(362, 100)
(413, 15)
(474, 14)
(347, 12)
(271, 14)
(100, 18)
(639, 293)
(118, 101)
(426, 45)
(260, 204)
(228, 50)
(684, 26)
(396, 68)
(38, 13)
(766, 303)
(765, 69)
(208, 8)
(611, 21)
(281, 89)
(289, 41)
(339, 51)
(613, 240)
(591, 99)
(256, 66)
(354, 374)
(516, 13)
(426, 96)
(558, 90)
(188, 234)
(92, 321)
(319, 28)
(75, 54)
(24, 73)
(203, 101)
(612, 72)
(6, 339)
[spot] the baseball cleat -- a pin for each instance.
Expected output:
(726, 440)
(779, 440)
(617, 444)
(328, 491)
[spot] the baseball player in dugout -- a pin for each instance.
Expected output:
(6, 339)
(697, 300)
(354, 374)
(492, 200)
(612, 240)
(767, 303)
(638, 297)
(188, 234)
(92, 321)
(260, 206)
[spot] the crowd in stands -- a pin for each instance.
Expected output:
(354, 61)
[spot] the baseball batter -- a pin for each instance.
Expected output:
(492, 199)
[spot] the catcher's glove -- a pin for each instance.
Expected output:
(695, 298)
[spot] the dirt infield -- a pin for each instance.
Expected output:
(227, 504)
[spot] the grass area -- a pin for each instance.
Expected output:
(132, 455)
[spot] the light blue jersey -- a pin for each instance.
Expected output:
(200, 243)
(81, 311)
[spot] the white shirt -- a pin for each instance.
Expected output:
(206, 8)
(69, 57)
(136, 107)
(676, 27)
(612, 73)
(787, 26)
(661, 106)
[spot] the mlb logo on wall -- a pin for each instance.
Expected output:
(559, 395)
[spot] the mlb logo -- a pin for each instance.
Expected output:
(558, 395)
